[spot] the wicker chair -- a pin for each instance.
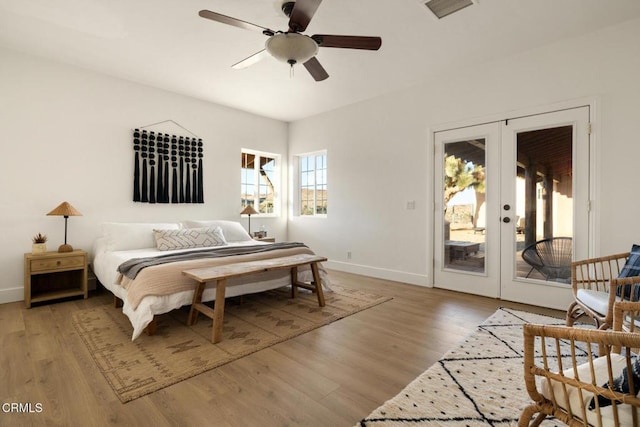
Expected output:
(596, 287)
(551, 257)
(571, 378)
(626, 317)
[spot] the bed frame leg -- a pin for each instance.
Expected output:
(152, 327)
(117, 302)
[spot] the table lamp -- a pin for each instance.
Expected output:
(249, 211)
(65, 210)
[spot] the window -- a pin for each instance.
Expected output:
(313, 184)
(259, 181)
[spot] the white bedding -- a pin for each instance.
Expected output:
(106, 262)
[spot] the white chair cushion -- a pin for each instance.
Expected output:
(596, 300)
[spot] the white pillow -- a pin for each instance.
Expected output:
(189, 238)
(233, 231)
(122, 236)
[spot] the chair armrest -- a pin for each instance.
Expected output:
(627, 288)
(626, 316)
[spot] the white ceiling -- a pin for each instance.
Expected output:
(165, 44)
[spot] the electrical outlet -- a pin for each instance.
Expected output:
(411, 205)
(348, 254)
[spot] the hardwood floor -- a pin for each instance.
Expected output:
(332, 376)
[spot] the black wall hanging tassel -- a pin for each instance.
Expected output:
(187, 171)
(181, 171)
(167, 168)
(136, 166)
(174, 170)
(143, 148)
(165, 163)
(200, 175)
(160, 163)
(152, 162)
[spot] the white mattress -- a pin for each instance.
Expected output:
(105, 266)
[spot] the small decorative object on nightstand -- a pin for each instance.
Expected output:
(65, 210)
(39, 244)
(53, 275)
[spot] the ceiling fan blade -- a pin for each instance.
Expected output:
(316, 70)
(234, 22)
(302, 13)
(348, 42)
(256, 57)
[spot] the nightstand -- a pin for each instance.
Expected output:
(54, 275)
(265, 239)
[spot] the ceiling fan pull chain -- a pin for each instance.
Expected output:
(291, 73)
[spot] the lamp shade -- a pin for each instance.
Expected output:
(249, 210)
(65, 209)
(291, 48)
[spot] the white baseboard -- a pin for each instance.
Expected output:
(380, 273)
(11, 295)
(17, 294)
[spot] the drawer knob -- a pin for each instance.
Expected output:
(59, 262)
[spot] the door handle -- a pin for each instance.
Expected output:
(506, 220)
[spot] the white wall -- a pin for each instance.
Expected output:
(378, 151)
(66, 135)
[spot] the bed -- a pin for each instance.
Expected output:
(160, 286)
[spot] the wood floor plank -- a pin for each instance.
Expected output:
(332, 376)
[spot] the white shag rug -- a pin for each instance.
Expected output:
(478, 383)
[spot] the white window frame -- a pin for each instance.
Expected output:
(298, 183)
(276, 181)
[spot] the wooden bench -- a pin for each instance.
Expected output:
(220, 274)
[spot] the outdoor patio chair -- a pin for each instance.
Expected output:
(551, 257)
(598, 283)
(567, 378)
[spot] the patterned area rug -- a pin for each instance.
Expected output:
(478, 383)
(177, 352)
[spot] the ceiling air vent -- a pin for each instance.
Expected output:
(442, 8)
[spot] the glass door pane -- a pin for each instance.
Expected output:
(544, 204)
(464, 220)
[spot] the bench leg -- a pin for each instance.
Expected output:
(294, 280)
(218, 311)
(318, 283)
(117, 302)
(197, 298)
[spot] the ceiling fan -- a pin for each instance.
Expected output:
(291, 46)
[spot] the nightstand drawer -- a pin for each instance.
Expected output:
(56, 263)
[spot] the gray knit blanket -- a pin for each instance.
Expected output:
(132, 267)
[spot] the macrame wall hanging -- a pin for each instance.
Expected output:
(167, 168)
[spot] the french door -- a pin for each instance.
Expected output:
(501, 188)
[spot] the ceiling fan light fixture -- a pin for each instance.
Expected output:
(442, 8)
(291, 48)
